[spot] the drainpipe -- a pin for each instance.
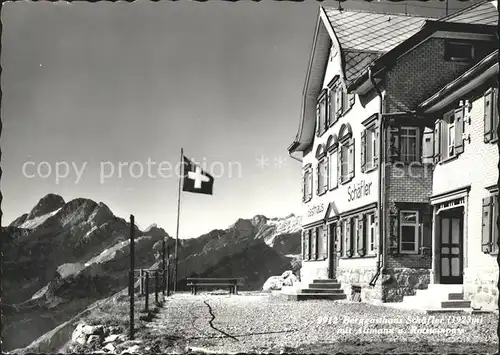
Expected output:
(381, 177)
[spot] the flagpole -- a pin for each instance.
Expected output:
(181, 173)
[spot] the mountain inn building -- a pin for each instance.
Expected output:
(398, 144)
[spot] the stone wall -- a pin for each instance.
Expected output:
(480, 287)
(349, 277)
(400, 282)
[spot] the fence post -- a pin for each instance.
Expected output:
(146, 287)
(131, 277)
(163, 266)
(156, 286)
(168, 278)
(141, 283)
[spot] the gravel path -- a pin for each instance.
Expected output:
(260, 322)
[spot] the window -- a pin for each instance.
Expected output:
(346, 158)
(369, 145)
(491, 115)
(339, 101)
(307, 184)
(321, 243)
(332, 169)
(409, 232)
(459, 51)
(449, 137)
(346, 245)
(409, 144)
(321, 113)
(322, 176)
(489, 233)
(314, 244)
(370, 233)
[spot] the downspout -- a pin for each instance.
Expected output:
(381, 177)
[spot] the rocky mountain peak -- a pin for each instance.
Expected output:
(47, 204)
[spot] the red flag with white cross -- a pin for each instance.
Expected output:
(195, 179)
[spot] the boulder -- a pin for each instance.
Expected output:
(93, 339)
(109, 348)
(273, 283)
(290, 280)
(83, 331)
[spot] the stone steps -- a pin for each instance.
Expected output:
(455, 304)
(324, 285)
(437, 297)
(327, 289)
(323, 290)
(315, 296)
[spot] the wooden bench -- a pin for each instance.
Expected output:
(231, 282)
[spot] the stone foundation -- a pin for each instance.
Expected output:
(397, 283)
(349, 277)
(480, 287)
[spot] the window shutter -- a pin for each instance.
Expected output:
(459, 130)
(316, 178)
(363, 150)
(325, 241)
(394, 144)
(494, 121)
(345, 104)
(488, 112)
(377, 146)
(310, 182)
(314, 244)
(428, 146)
(339, 164)
(351, 159)
(361, 235)
(437, 141)
(494, 226)
(326, 170)
(331, 107)
(339, 101)
(303, 191)
(318, 119)
(352, 100)
(426, 231)
(486, 233)
(304, 244)
(349, 238)
(338, 238)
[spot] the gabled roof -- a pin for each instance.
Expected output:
(366, 31)
(365, 36)
(483, 12)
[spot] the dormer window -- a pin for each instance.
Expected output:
(459, 51)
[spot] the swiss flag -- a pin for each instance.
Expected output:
(195, 179)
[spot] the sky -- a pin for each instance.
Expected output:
(93, 93)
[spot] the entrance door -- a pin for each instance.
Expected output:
(332, 256)
(451, 246)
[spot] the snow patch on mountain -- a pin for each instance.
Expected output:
(287, 225)
(37, 221)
